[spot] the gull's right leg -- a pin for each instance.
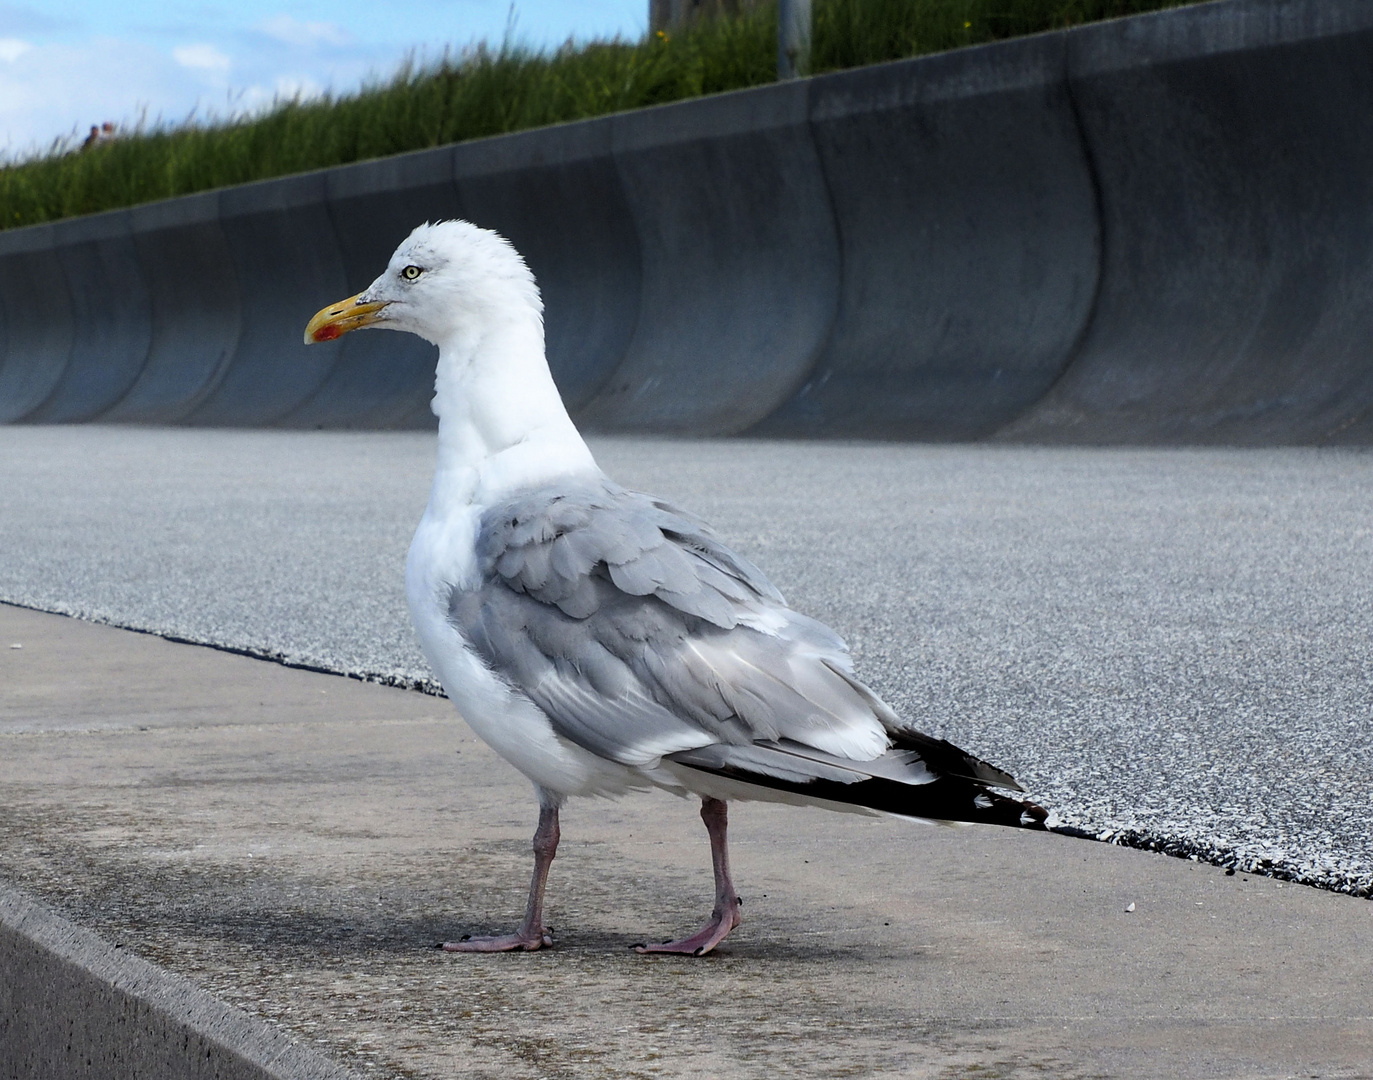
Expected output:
(727, 914)
(532, 934)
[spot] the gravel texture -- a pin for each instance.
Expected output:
(1169, 647)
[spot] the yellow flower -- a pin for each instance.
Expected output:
(967, 26)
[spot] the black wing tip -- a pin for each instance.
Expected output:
(1012, 813)
(947, 759)
(949, 798)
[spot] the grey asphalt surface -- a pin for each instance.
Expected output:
(1166, 646)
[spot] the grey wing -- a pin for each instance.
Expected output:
(640, 634)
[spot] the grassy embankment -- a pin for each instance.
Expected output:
(490, 91)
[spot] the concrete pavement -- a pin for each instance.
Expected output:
(294, 842)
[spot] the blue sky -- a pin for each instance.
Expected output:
(66, 66)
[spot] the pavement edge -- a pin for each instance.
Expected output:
(74, 1005)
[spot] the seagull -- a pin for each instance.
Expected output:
(602, 640)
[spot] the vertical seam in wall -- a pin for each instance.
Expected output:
(71, 342)
(826, 340)
(359, 421)
(594, 400)
(281, 418)
(362, 419)
(1075, 350)
(147, 344)
(593, 395)
(4, 335)
(231, 353)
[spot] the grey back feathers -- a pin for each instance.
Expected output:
(640, 635)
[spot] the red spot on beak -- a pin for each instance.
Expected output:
(327, 332)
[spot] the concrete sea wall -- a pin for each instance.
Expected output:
(1158, 229)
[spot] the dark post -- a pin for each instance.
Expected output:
(793, 38)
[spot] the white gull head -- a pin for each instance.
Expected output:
(453, 280)
(502, 423)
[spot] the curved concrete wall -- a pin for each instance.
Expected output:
(969, 243)
(1156, 229)
(197, 312)
(282, 249)
(378, 380)
(109, 302)
(1234, 150)
(740, 263)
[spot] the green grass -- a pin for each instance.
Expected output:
(488, 91)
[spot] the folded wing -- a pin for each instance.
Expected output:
(641, 636)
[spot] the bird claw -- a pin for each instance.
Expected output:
(701, 942)
(516, 942)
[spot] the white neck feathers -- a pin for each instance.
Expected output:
(502, 423)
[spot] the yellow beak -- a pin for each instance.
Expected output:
(335, 320)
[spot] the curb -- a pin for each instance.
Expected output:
(73, 1006)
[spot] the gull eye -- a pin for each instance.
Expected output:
(412, 273)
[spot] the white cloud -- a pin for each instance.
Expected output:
(11, 49)
(59, 90)
(292, 31)
(201, 58)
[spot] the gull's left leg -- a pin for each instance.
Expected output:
(532, 934)
(726, 916)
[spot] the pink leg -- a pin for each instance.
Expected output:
(726, 916)
(531, 935)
